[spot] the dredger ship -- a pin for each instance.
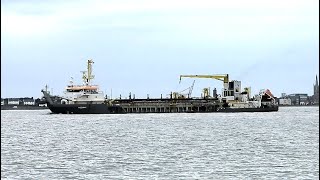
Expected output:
(87, 99)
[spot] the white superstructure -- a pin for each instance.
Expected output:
(86, 93)
(236, 98)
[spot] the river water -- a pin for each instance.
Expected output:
(274, 145)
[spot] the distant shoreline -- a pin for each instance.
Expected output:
(22, 107)
(299, 105)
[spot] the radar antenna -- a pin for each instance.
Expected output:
(71, 81)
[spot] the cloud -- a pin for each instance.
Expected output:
(34, 18)
(13, 24)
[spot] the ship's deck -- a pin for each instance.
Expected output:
(167, 105)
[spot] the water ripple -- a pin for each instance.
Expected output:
(277, 145)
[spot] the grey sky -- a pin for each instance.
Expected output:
(143, 46)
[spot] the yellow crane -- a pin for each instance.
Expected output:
(221, 77)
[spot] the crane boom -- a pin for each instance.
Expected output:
(221, 77)
(191, 89)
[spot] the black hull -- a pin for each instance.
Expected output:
(85, 109)
(107, 109)
(232, 110)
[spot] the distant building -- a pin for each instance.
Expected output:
(40, 102)
(299, 99)
(43, 105)
(315, 96)
(13, 101)
(28, 101)
(285, 101)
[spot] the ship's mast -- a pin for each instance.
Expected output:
(88, 77)
(46, 88)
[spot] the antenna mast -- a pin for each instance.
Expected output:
(89, 70)
(87, 75)
(84, 77)
(71, 81)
